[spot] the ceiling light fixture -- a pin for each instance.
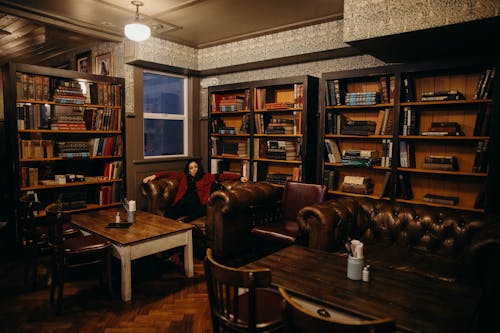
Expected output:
(137, 31)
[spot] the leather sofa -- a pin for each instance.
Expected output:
(231, 213)
(437, 242)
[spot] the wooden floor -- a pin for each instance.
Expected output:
(163, 300)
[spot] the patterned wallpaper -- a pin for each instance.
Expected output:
(373, 18)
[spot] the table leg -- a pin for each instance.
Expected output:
(126, 274)
(188, 255)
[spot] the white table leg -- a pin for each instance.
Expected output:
(126, 274)
(188, 255)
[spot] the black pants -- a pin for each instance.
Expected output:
(186, 210)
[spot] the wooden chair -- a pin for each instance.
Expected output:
(35, 235)
(241, 300)
(296, 319)
(71, 253)
(285, 231)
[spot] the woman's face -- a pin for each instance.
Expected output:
(193, 168)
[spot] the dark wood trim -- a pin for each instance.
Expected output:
(290, 60)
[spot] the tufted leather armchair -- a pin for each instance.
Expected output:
(230, 213)
(437, 242)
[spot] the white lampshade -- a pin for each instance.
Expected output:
(137, 32)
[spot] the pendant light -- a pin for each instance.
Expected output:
(137, 31)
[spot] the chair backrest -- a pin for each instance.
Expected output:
(28, 206)
(55, 219)
(298, 195)
(224, 286)
(296, 319)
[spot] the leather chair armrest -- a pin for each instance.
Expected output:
(159, 194)
(326, 224)
(231, 213)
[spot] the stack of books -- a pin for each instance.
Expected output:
(358, 127)
(362, 98)
(359, 157)
(281, 150)
(278, 178)
(280, 126)
(440, 162)
(69, 92)
(446, 128)
(232, 103)
(445, 95)
(73, 149)
(357, 184)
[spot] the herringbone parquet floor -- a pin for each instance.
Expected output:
(163, 300)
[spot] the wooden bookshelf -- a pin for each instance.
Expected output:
(40, 102)
(476, 116)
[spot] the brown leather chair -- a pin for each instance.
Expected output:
(35, 234)
(71, 253)
(257, 309)
(296, 319)
(285, 231)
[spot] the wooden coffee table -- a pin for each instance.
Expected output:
(417, 303)
(148, 235)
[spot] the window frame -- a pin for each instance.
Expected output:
(185, 117)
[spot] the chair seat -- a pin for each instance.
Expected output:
(87, 243)
(268, 305)
(285, 231)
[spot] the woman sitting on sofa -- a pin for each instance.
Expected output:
(195, 186)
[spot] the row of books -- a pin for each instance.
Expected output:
(109, 194)
(482, 123)
(337, 123)
(113, 170)
(409, 123)
(32, 116)
(443, 128)
(44, 88)
(337, 94)
(221, 147)
(441, 95)
(106, 119)
(36, 149)
(481, 157)
(484, 85)
(278, 124)
(106, 146)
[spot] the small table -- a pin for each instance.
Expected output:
(149, 234)
(417, 303)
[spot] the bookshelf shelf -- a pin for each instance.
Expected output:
(359, 107)
(58, 127)
(422, 202)
(361, 137)
(443, 137)
(232, 157)
(445, 103)
(277, 110)
(443, 172)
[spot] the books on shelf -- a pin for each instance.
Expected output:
(481, 157)
(357, 184)
(482, 124)
(484, 85)
(440, 162)
(403, 187)
(441, 199)
(446, 95)
(362, 98)
(332, 151)
(330, 178)
(408, 91)
(385, 190)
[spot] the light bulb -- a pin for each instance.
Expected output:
(137, 32)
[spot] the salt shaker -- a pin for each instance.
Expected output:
(366, 273)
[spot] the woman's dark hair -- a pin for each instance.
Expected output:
(199, 173)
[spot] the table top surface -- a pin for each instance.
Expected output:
(146, 226)
(417, 303)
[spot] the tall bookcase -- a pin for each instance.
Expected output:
(260, 129)
(438, 145)
(65, 137)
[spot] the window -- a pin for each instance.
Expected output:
(165, 115)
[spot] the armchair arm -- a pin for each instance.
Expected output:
(231, 213)
(159, 194)
(326, 223)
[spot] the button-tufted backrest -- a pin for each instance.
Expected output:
(439, 230)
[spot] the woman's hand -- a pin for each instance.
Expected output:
(149, 178)
(243, 179)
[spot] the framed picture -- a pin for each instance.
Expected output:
(84, 62)
(103, 64)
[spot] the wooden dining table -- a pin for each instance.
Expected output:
(417, 303)
(149, 234)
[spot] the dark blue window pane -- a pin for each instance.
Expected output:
(163, 94)
(163, 137)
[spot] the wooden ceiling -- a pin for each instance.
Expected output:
(33, 29)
